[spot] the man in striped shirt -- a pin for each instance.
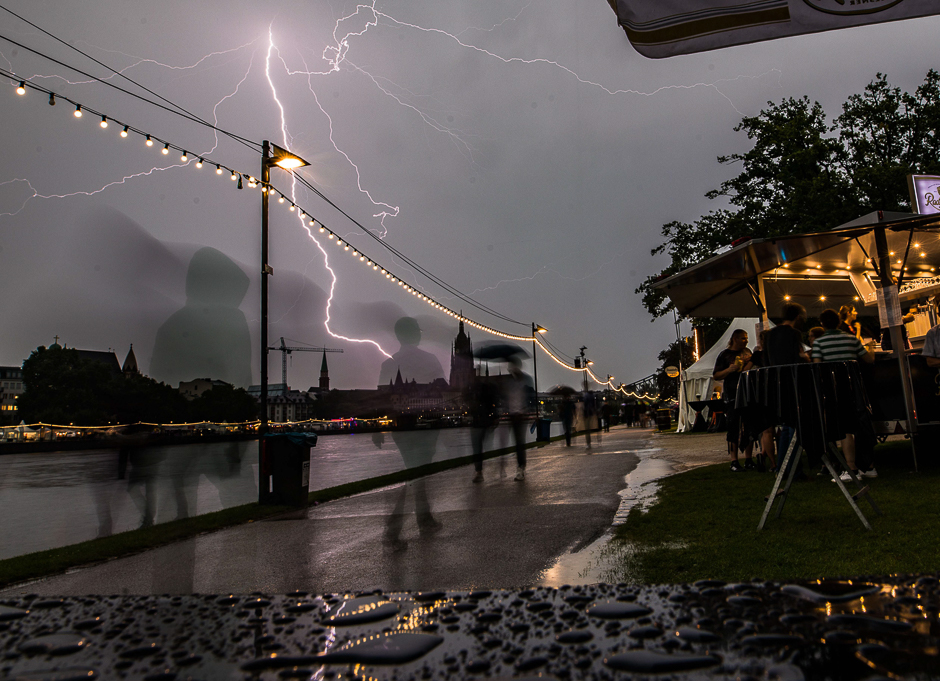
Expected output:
(838, 346)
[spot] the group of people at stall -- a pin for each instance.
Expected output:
(837, 340)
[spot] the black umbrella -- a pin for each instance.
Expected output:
(503, 352)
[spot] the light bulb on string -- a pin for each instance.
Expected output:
(292, 207)
(240, 182)
(166, 149)
(104, 122)
(78, 111)
(281, 199)
(199, 163)
(234, 176)
(149, 142)
(124, 131)
(184, 158)
(218, 169)
(21, 88)
(51, 99)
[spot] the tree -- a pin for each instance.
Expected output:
(803, 175)
(61, 388)
(224, 403)
(668, 387)
(888, 134)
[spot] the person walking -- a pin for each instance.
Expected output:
(516, 402)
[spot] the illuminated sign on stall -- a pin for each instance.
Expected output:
(925, 193)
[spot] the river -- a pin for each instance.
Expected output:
(54, 499)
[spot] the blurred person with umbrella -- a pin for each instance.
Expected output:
(517, 392)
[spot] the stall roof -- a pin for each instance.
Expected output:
(818, 270)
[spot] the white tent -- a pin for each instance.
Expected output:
(697, 382)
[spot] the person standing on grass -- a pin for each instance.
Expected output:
(836, 345)
(785, 346)
(728, 367)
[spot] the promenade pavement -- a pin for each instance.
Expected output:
(438, 532)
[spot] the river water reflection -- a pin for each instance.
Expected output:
(55, 499)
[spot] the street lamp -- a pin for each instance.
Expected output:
(271, 155)
(535, 369)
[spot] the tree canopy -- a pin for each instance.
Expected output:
(804, 174)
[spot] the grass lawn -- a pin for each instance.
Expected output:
(704, 525)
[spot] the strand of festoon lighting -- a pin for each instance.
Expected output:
(242, 179)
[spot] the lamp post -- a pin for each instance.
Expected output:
(535, 367)
(282, 159)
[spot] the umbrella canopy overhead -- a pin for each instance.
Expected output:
(817, 270)
(497, 351)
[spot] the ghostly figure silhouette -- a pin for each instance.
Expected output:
(209, 337)
(414, 363)
(417, 447)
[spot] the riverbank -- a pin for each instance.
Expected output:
(413, 530)
(703, 525)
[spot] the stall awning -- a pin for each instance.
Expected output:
(817, 270)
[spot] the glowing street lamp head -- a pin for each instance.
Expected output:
(284, 159)
(540, 329)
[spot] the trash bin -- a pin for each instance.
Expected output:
(284, 469)
(543, 430)
(663, 419)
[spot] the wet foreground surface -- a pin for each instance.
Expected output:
(840, 630)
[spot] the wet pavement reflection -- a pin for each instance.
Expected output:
(845, 630)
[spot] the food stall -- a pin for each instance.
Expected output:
(878, 263)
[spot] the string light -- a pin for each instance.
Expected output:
(369, 263)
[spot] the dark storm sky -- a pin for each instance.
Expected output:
(530, 154)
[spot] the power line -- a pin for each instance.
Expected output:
(241, 140)
(127, 78)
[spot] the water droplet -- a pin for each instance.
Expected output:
(615, 610)
(54, 644)
(393, 649)
(659, 663)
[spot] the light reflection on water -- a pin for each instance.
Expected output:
(60, 498)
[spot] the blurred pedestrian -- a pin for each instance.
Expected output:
(484, 415)
(516, 399)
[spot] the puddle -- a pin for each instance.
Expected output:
(601, 561)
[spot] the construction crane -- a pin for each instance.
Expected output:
(286, 350)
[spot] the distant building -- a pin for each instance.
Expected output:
(129, 368)
(11, 387)
(193, 389)
(324, 375)
(461, 361)
(109, 359)
(294, 406)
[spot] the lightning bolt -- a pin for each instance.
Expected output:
(286, 137)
